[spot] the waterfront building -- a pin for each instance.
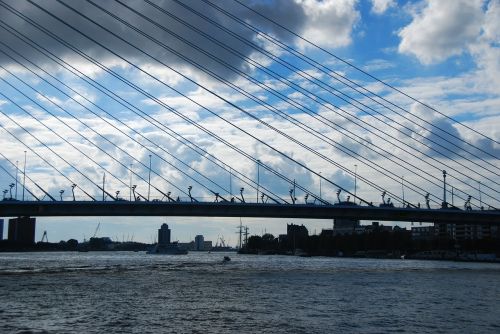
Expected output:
(165, 246)
(423, 232)
(465, 231)
(22, 230)
(199, 242)
(296, 231)
(164, 235)
(190, 246)
(445, 231)
(207, 245)
(349, 226)
(375, 227)
(346, 225)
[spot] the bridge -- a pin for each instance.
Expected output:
(101, 116)
(309, 211)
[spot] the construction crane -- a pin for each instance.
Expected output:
(96, 230)
(44, 236)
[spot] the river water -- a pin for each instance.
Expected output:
(127, 292)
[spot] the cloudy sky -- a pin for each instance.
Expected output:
(207, 88)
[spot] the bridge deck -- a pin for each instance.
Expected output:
(204, 209)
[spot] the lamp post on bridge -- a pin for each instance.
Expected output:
(319, 185)
(189, 192)
(480, 199)
(73, 186)
(355, 181)
(17, 174)
(130, 184)
(444, 204)
(11, 186)
(403, 189)
(149, 178)
(133, 190)
(258, 179)
(61, 192)
(230, 183)
(452, 196)
(24, 174)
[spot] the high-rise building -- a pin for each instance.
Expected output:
(22, 230)
(199, 242)
(1, 229)
(164, 235)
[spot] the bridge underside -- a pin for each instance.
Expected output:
(52, 209)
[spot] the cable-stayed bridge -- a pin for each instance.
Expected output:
(191, 109)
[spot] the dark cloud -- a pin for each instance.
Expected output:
(293, 15)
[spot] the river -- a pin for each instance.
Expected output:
(127, 292)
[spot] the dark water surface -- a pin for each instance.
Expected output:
(123, 292)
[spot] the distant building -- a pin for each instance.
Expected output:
(349, 226)
(164, 235)
(375, 227)
(296, 231)
(455, 232)
(22, 230)
(445, 231)
(187, 245)
(1, 229)
(345, 225)
(199, 242)
(207, 245)
(474, 232)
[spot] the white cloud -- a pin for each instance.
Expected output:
(442, 28)
(486, 51)
(377, 65)
(381, 6)
(329, 23)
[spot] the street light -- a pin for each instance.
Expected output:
(241, 193)
(133, 190)
(11, 186)
(17, 173)
(319, 185)
(403, 189)
(355, 179)
(189, 192)
(130, 184)
(452, 196)
(61, 192)
(258, 179)
(24, 174)
(73, 186)
(480, 200)
(230, 183)
(444, 205)
(149, 179)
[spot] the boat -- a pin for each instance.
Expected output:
(226, 259)
(169, 249)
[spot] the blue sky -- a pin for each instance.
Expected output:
(443, 53)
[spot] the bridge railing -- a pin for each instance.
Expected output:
(210, 199)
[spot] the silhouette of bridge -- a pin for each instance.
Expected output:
(197, 209)
(286, 125)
